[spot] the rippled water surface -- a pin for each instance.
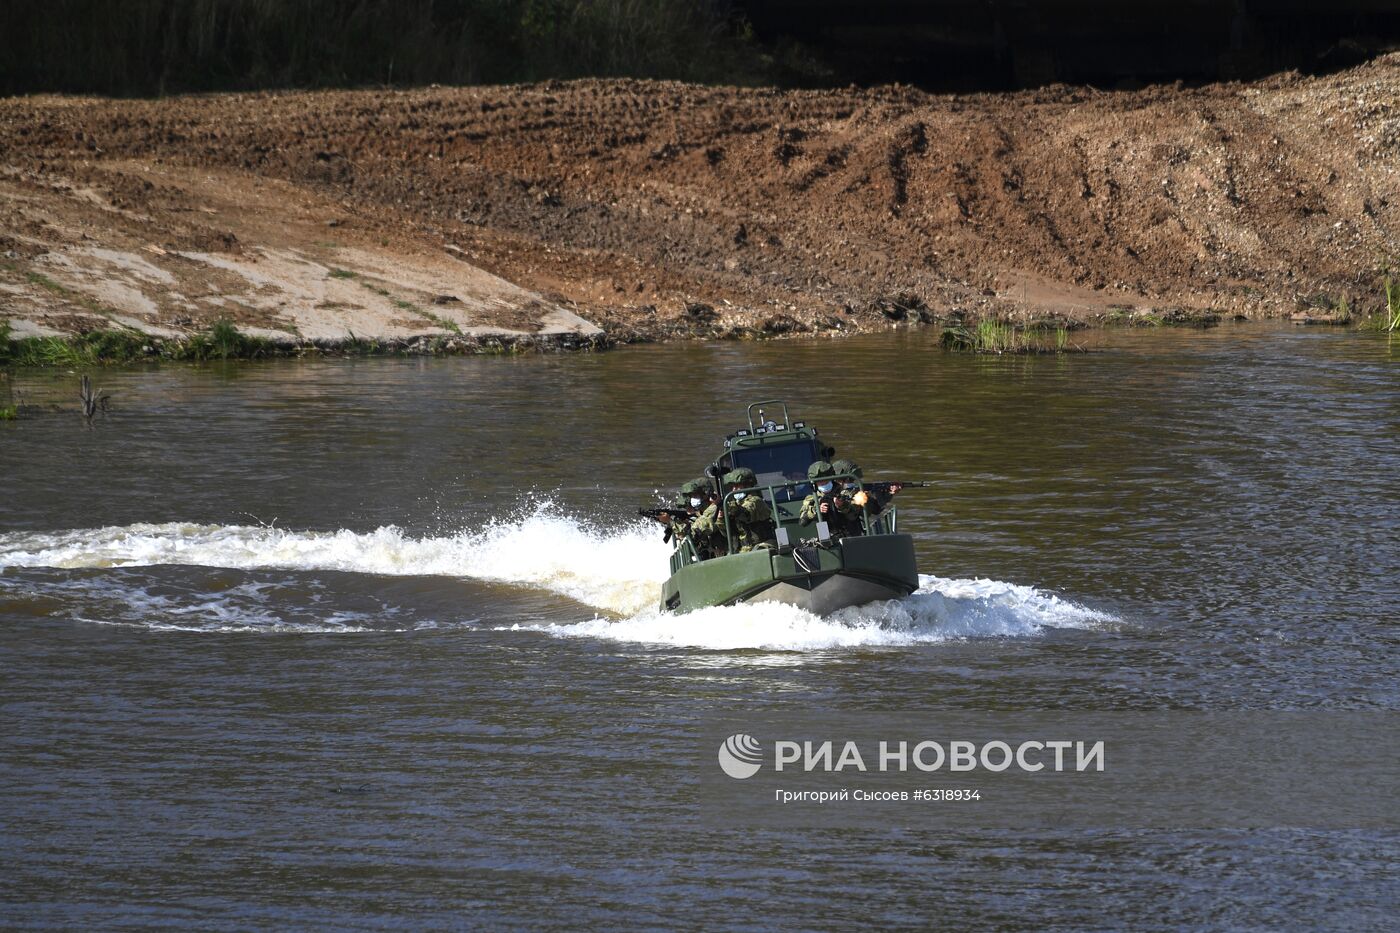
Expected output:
(374, 643)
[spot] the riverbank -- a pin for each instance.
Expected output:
(597, 212)
(224, 341)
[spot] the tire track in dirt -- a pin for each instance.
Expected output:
(635, 203)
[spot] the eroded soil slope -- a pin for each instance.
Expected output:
(659, 208)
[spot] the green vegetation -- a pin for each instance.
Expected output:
(44, 282)
(341, 274)
(106, 347)
(1000, 337)
(1322, 308)
(222, 341)
(1171, 316)
(361, 346)
(379, 290)
(93, 348)
(167, 46)
(1387, 319)
(9, 411)
(1342, 311)
(1124, 314)
(443, 322)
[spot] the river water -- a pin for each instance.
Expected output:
(368, 643)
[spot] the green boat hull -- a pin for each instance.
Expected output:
(819, 579)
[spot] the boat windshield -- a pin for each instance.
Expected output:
(779, 463)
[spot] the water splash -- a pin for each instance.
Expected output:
(616, 571)
(130, 600)
(940, 610)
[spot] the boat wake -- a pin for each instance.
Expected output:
(940, 610)
(617, 571)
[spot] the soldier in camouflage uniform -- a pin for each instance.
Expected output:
(873, 502)
(750, 518)
(696, 494)
(682, 513)
(825, 504)
(844, 467)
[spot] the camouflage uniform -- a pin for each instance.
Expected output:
(702, 487)
(684, 514)
(750, 518)
(705, 531)
(875, 502)
(844, 519)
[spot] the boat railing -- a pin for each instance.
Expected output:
(757, 427)
(684, 554)
(884, 522)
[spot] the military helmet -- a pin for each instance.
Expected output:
(743, 476)
(696, 487)
(842, 467)
(819, 469)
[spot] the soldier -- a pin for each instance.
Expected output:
(825, 504)
(873, 502)
(696, 494)
(848, 469)
(750, 518)
(680, 514)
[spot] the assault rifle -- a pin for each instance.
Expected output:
(666, 514)
(831, 514)
(671, 515)
(883, 489)
(878, 495)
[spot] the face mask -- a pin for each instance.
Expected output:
(695, 502)
(825, 487)
(737, 496)
(849, 487)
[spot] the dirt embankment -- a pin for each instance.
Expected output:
(654, 209)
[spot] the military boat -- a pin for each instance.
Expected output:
(803, 565)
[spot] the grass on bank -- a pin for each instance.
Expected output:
(1383, 317)
(9, 411)
(1343, 310)
(1387, 319)
(998, 337)
(222, 341)
(1322, 308)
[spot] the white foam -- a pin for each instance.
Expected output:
(617, 571)
(940, 610)
(332, 626)
(248, 607)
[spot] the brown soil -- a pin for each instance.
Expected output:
(660, 209)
